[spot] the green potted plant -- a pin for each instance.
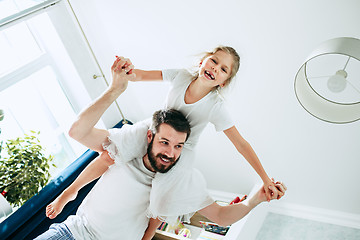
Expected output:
(24, 170)
(5, 208)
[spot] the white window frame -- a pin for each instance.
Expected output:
(80, 52)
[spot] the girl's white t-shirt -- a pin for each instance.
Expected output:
(211, 108)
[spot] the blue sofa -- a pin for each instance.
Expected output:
(29, 220)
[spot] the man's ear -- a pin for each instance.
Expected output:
(149, 135)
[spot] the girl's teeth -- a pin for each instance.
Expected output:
(207, 73)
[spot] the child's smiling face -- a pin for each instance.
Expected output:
(216, 68)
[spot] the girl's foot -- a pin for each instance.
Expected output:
(55, 208)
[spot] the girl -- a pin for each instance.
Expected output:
(198, 97)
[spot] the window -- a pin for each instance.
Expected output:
(38, 103)
(18, 47)
(10, 7)
(34, 86)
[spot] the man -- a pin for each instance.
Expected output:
(116, 207)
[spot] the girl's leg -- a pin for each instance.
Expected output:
(55, 208)
(93, 171)
(154, 223)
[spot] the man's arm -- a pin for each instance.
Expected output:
(83, 129)
(227, 215)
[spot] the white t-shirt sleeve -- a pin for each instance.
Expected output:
(128, 142)
(221, 117)
(170, 74)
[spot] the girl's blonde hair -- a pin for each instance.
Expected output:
(226, 49)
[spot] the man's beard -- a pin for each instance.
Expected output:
(152, 159)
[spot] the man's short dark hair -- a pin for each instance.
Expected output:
(172, 117)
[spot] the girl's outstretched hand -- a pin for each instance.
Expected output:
(278, 190)
(122, 73)
(280, 186)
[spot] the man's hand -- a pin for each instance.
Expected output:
(227, 215)
(278, 191)
(122, 73)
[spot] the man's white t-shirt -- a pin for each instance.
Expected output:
(116, 206)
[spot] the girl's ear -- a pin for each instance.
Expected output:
(224, 83)
(149, 135)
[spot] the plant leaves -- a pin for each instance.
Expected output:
(25, 169)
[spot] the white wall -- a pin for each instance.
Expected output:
(318, 161)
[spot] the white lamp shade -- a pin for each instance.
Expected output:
(312, 101)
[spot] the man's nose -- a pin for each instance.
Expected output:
(169, 152)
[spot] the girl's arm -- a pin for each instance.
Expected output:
(227, 215)
(249, 154)
(154, 223)
(142, 75)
